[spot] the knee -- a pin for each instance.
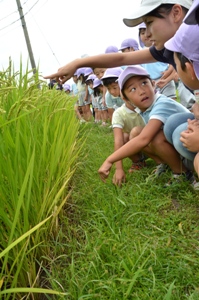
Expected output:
(135, 131)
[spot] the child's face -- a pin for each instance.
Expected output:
(159, 30)
(99, 72)
(139, 91)
(187, 76)
(114, 89)
(129, 49)
(75, 78)
(144, 38)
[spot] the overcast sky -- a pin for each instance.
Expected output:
(62, 30)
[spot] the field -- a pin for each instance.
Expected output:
(67, 235)
(140, 241)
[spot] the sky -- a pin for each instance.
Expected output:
(62, 30)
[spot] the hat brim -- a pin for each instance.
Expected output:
(137, 16)
(171, 45)
(190, 17)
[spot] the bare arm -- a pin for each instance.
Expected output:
(134, 146)
(108, 60)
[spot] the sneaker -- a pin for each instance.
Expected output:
(82, 121)
(187, 176)
(195, 185)
(136, 166)
(161, 168)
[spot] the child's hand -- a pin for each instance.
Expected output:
(64, 73)
(104, 170)
(195, 110)
(190, 137)
(119, 177)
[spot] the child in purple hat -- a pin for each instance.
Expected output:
(183, 131)
(124, 119)
(98, 94)
(138, 90)
(129, 45)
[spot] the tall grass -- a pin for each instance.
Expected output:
(38, 156)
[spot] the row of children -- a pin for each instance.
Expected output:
(166, 136)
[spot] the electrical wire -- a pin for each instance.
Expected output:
(46, 38)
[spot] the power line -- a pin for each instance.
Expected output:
(19, 18)
(46, 38)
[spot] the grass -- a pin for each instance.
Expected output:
(140, 241)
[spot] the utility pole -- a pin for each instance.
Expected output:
(32, 61)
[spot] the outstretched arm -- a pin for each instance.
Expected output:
(108, 60)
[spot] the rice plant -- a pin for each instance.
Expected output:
(38, 155)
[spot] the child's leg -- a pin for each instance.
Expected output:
(166, 153)
(196, 163)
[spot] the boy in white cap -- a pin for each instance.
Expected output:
(124, 119)
(137, 88)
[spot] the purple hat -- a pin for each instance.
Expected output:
(87, 71)
(112, 72)
(111, 49)
(141, 26)
(185, 42)
(192, 16)
(129, 72)
(129, 43)
(66, 87)
(97, 82)
(80, 71)
(91, 77)
(146, 6)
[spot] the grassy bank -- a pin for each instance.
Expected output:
(140, 241)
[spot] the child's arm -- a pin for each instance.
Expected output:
(134, 146)
(108, 60)
(190, 137)
(119, 177)
(86, 95)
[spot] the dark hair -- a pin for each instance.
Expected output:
(82, 78)
(109, 80)
(89, 81)
(163, 9)
(197, 15)
(97, 91)
(183, 59)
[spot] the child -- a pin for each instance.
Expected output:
(82, 93)
(123, 121)
(89, 82)
(129, 45)
(112, 96)
(137, 88)
(156, 70)
(66, 88)
(111, 49)
(74, 84)
(98, 94)
(187, 63)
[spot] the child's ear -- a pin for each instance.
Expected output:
(122, 96)
(153, 83)
(190, 70)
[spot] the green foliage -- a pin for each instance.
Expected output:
(39, 147)
(135, 242)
